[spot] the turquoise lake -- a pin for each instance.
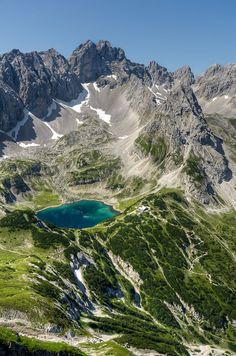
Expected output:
(80, 214)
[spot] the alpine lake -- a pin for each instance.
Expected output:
(77, 215)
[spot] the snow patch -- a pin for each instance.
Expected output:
(55, 135)
(80, 279)
(3, 157)
(76, 104)
(102, 115)
(26, 145)
(96, 87)
(150, 89)
(79, 122)
(13, 133)
(214, 98)
(123, 137)
(158, 98)
(112, 76)
(78, 275)
(226, 97)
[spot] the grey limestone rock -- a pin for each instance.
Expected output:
(90, 61)
(217, 80)
(11, 107)
(184, 75)
(28, 77)
(39, 77)
(65, 85)
(159, 75)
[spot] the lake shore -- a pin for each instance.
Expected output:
(83, 213)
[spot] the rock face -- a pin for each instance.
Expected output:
(28, 77)
(162, 101)
(39, 77)
(11, 107)
(159, 75)
(65, 85)
(90, 61)
(181, 124)
(184, 75)
(217, 81)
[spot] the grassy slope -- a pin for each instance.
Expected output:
(187, 264)
(185, 258)
(8, 337)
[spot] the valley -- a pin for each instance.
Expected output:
(156, 146)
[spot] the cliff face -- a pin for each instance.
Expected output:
(216, 81)
(11, 107)
(39, 77)
(165, 103)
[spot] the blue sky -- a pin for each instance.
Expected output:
(172, 32)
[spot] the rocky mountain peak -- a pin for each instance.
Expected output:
(89, 61)
(37, 77)
(182, 100)
(165, 100)
(158, 74)
(184, 75)
(86, 63)
(108, 52)
(217, 80)
(213, 69)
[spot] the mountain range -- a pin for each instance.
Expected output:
(99, 126)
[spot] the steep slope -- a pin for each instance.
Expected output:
(158, 278)
(37, 83)
(179, 128)
(90, 61)
(150, 280)
(126, 96)
(11, 108)
(216, 90)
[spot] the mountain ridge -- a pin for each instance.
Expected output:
(159, 146)
(45, 80)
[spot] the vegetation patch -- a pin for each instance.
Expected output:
(193, 169)
(152, 145)
(24, 344)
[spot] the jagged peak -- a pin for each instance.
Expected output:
(182, 99)
(153, 65)
(84, 45)
(51, 51)
(185, 75)
(159, 74)
(103, 43)
(103, 48)
(213, 69)
(14, 51)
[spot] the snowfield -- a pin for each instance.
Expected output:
(55, 135)
(102, 115)
(26, 145)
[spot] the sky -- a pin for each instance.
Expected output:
(172, 32)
